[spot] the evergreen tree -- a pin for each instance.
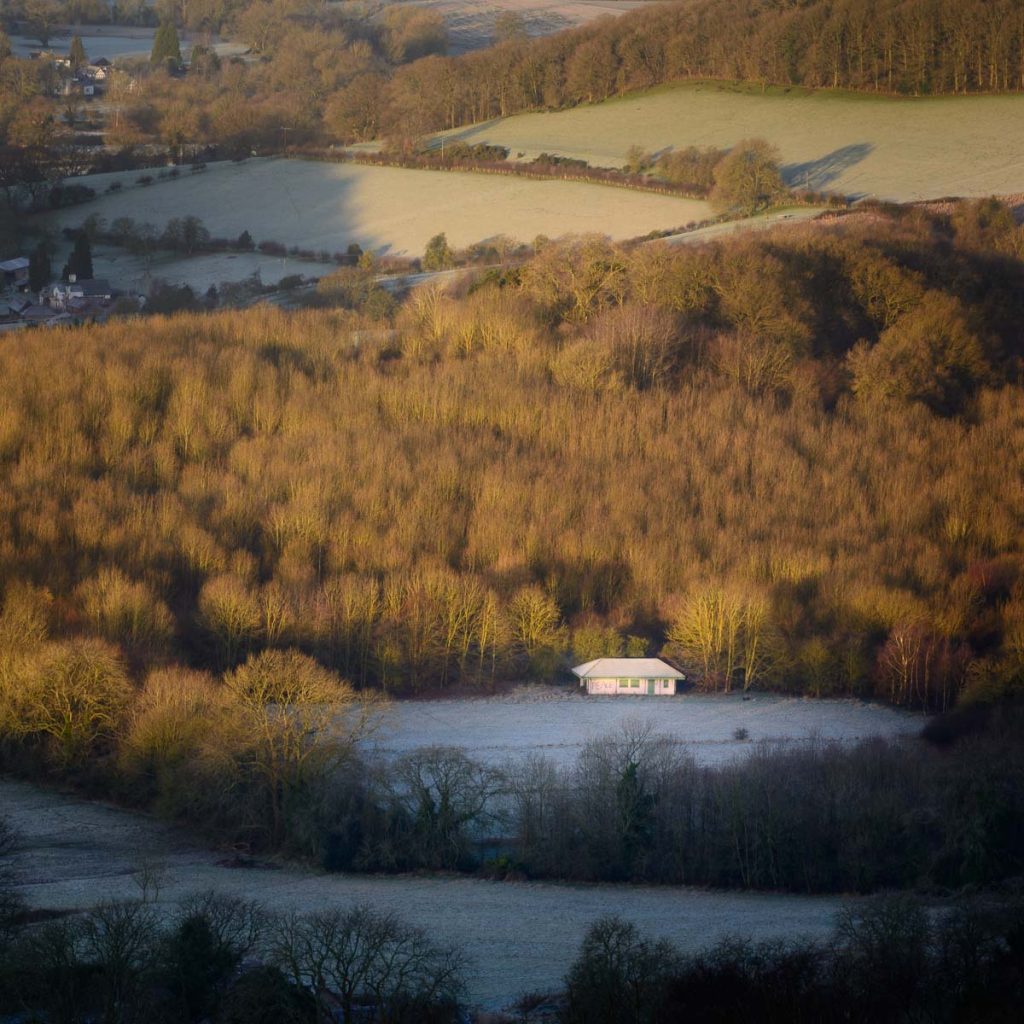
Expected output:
(76, 54)
(438, 255)
(166, 45)
(80, 261)
(39, 269)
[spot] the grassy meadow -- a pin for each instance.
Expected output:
(859, 145)
(327, 206)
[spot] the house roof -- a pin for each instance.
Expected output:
(38, 313)
(627, 668)
(18, 263)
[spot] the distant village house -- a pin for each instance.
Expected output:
(14, 273)
(66, 294)
(61, 304)
(635, 677)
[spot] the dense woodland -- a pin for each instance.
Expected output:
(790, 462)
(895, 46)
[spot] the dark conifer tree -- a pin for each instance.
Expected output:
(39, 268)
(166, 46)
(76, 53)
(80, 261)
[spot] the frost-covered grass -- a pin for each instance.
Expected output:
(900, 149)
(557, 723)
(110, 41)
(326, 206)
(471, 22)
(522, 936)
(200, 271)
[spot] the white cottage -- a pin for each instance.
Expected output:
(637, 677)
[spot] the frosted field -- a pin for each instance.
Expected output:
(522, 936)
(326, 206)
(771, 221)
(471, 22)
(557, 723)
(112, 42)
(898, 149)
(135, 273)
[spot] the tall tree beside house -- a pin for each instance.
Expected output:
(76, 53)
(166, 45)
(80, 261)
(39, 269)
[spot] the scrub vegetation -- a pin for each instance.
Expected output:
(887, 960)
(216, 957)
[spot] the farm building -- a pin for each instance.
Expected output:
(14, 272)
(637, 677)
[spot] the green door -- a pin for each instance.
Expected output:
(650, 687)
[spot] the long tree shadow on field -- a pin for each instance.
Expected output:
(819, 174)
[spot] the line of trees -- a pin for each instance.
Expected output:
(219, 958)
(742, 180)
(223, 959)
(887, 960)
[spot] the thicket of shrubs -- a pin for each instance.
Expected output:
(220, 959)
(888, 960)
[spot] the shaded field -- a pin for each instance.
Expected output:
(558, 723)
(326, 206)
(897, 149)
(521, 936)
(137, 273)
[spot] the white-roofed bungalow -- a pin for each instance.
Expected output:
(636, 677)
